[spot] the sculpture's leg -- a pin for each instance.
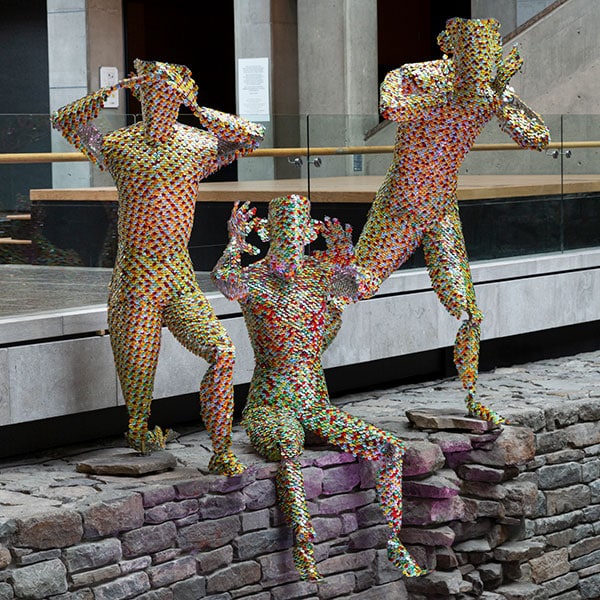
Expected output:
(367, 441)
(135, 339)
(448, 265)
(194, 324)
(278, 435)
(386, 242)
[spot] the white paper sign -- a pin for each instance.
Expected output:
(253, 88)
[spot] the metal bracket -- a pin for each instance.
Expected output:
(298, 162)
(557, 153)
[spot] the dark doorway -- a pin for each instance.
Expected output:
(407, 31)
(174, 32)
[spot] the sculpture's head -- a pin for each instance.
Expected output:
(162, 88)
(288, 228)
(475, 46)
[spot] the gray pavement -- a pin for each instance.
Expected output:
(525, 394)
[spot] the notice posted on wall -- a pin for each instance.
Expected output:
(253, 89)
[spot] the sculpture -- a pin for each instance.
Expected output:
(283, 298)
(441, 107)
(157, 165)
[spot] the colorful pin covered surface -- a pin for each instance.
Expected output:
(441, 107)
(157, 165)
(284, 298)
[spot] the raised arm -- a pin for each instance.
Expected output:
(411, 91)
(237, 136)
(228, 275)
(340, 260)
(524, 126)
(75, 120)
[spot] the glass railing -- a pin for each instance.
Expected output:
(57, 210)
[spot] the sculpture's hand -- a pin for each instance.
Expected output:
(338, 237)
(240, 224)
(509, 66)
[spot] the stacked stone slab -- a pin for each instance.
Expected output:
(511, 513)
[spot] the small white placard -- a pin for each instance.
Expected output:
(109, 76)
(253, 88)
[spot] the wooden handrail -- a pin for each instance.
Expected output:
(50, 157)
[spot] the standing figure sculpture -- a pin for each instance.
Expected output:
(157, 165)
(441, 107)
(284, 302)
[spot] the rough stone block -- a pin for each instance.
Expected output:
(521, 498)
(170, 511)
(234, 576)
(341, 479)
(372, 514)
(561, 584)
(260, 494)
(516, 446)
(522, 591)
(93, 555)
(215, 507)
(298, 589)
(327, 528)
(129, 586)
(255, 543)
(585, 546)
(480, 473)
(95, 576)
(370, 537)
(445, 559)
(113, 515)
(149, 539)
(588, 560)
(422, 457)
(590, 587)
(278, 568)
(189, 589)
(567, 499)
(519, 551)
(550, 565)
(433, 486)
(547, 525)
(56, 529)
(313, 482)
(583, 434)
(210, 534)
(347, 562)
(336, 586)
(427, 511)
(159, 494)
(436, 583)
(334, 505)
(436, 536)
(256, 519)
(41, 580)
(394, 589)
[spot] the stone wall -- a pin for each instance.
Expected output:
(512, 515)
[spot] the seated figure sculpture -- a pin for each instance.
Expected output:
(283, 297)
(441, 107)
(157, 165)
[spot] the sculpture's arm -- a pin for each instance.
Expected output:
(410, 92)
(525, 126)
(75, 120)
(236, 136)
(228, 275)
(340, 260)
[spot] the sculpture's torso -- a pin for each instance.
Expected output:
(157, 184)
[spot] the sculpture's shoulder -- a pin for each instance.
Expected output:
(425, 77)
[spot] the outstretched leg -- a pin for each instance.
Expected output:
(194, 324)
(367, 441)
(448, 265)
(278, 435)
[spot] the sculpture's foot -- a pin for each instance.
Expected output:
(401, 558)
(150, 441)
(479, 411)
(225, 463)
(304, 561)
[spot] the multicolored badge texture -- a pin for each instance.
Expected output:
(440, 108)
(284, 302)
(157, 165)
